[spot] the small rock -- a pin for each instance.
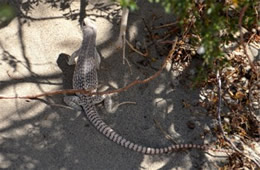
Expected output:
(202, 97)
(175, 73)
(192, 72)
(138, 45)
(243, 79)
(207, 129)
(175, 82)
(181, 69)
(193, 52)
(253, 53)
(187, 40)
(229, 113)
(248, 67)
(258, 28)
(227, 97)
(227, 120)
(191, 124)
(255, 105)
(256, 92)
(208, 90)
(201, 50)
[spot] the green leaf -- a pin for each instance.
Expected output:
(7, 13)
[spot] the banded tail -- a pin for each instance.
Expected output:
(107, 131)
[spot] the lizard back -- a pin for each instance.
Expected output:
(85, 74)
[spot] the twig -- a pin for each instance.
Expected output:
(166, 135)
(242, 37)
(251, 37)
(124, 58)
(135, 50)
(88, 92)
(255, 158)
(166, 25)
(151, 36)
(122, 35)
(69, 91)
(245, 51)
(148, 29)
(166, 42)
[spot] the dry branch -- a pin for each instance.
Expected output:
(88, 92)
(135, 50)
(242, 38)
(252, 156)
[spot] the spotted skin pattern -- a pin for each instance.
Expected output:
(85, 77)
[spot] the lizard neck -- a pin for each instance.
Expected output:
(88, 46)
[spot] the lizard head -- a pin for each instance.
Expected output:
(88, 26)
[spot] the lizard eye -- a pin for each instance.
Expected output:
(83, 23)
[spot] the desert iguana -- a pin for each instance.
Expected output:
(85, 77)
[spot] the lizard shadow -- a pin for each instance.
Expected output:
(67, 70)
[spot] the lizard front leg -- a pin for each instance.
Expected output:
(71, 59)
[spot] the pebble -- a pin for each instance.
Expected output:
(253, 53)
(227, 120)
(201, 50)
(193, 52)
(175, 82)
(256, 91)
(191, 124)
(175, 73)
(227, 97)
(255, 105)
(248, 67)
(192, 72)
(138, 45)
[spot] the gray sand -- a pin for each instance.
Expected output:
(46, 134)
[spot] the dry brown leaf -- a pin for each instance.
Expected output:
(239, 95)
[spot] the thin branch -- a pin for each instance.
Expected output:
(122, 35)
(166, 25)
(242, 37)
(166, 135)
(82, 13)
(88, 92)
(245, 51)
(135, 50)
(151, 35)
(255, 158)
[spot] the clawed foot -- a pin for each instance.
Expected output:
(73, 101)
(113, 108)
(71, 61)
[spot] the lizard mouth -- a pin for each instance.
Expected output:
(83, 23)
(88, 23)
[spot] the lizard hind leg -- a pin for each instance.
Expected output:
(73, 101)
(108, 102)
(98, 99)
(112, 108)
